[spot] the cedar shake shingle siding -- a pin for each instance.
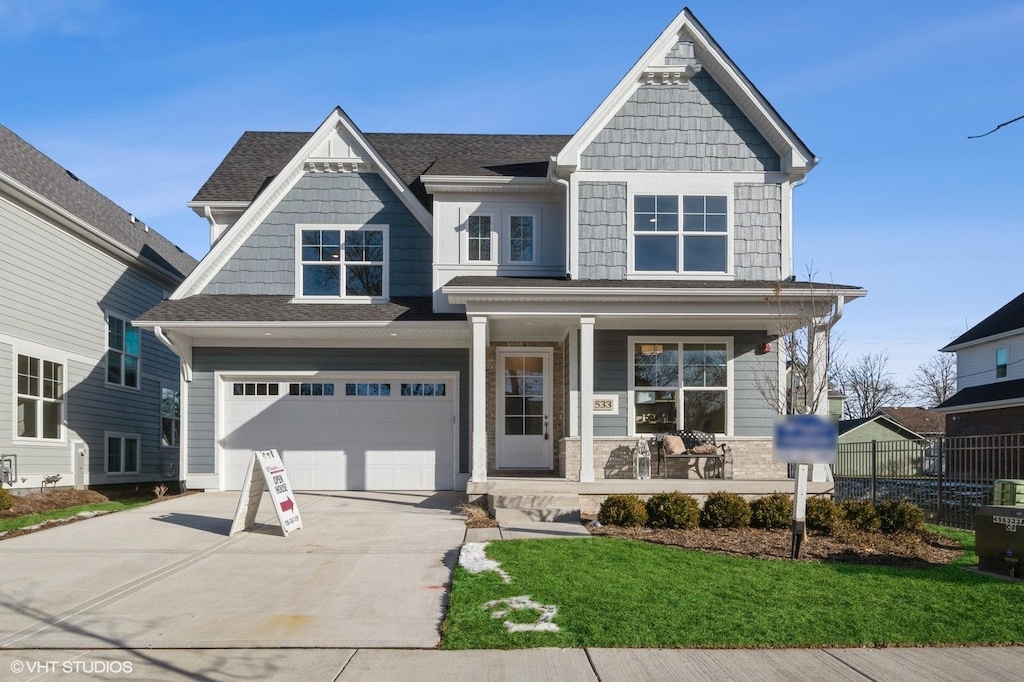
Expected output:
(602, 230)
(757, 216)
(693, 126)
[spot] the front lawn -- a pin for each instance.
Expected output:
(27, 520)
(622, 593)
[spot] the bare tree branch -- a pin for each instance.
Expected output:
(1001, 125)
(869, 384)
(934, 381)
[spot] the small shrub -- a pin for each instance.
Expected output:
(861, 514)
(725, 510)
(622, 510)
(900, 516)
(823, 514)
(160, 491)
(772, 511)
(672, 510)
(6, 499)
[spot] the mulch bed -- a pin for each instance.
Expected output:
(37, 503)
(909, 550)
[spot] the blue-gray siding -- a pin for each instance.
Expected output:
(692, 126)
(55, 290)
(265, 263)
(752, 415)
(757, 221)
(206, 361)
(602, 228)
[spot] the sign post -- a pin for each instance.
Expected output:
(801, 440)
(267, 472)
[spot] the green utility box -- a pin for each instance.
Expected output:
(1008, 491)
(999, 540)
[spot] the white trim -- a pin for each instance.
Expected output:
(986, 339)
(343, 263)
(283, 182)
(446, 184)
(981, 407)
(586, 473)
(127, 322)
(535, 229)
(176, 388)
(632, 190)
(679, 389)
(478, 399)
(495, 238)
(547, 356)
(214, 205)
(1006, 366)
(574, 383)
(42, 354)
(123, 436)
(223, 379)
(888, 419)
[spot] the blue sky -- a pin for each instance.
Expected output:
(143, 99)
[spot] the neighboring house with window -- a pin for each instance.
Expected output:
(434, 311)
(84, 395)
(989, 376)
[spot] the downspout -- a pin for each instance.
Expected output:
(568, 215)
(185, 358)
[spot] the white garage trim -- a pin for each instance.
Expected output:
(223, 381)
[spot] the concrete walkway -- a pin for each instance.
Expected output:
(533, 665)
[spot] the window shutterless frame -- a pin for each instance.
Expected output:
(1002, 362)
(670, 236)
(124, 353)
(522, 240)
(170, 417)
(39, 404)
(122, 452)
(342, 263)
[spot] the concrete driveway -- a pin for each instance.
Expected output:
(366, 570)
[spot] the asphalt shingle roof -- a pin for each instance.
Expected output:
(986, 393)
(1006, 319)
(41, 174)
(242, 308)
(258, 156)
(917, 419)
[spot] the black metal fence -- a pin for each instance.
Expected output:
(949, 478)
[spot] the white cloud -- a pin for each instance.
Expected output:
(23, 18)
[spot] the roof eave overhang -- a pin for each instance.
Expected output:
(435, 184)
(470, 294)
(978, 407)
(987, 339)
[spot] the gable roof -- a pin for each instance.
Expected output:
(848, 425)
(25, 168)
(257, 157)
(796, 157)
(986, 396)
(918, 419)
(1009, 318)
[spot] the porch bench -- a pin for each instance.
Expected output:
(696, 444)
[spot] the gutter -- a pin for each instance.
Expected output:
(568, 215)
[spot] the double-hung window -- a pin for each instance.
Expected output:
(679, 384)
(124, 350)
(478, 230)
(170, 418)
(344, 263)
(521, 239)
(1002, 362)
(667, 240)
(123, 453)
(40, 398)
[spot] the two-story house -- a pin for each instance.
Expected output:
(431, 311)
(86, 398)
(989, 376)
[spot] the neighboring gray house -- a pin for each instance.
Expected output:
(84, 395)
(432, 311)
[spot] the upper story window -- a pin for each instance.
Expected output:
(124, 351)
(479, 234)
(170, 418)
(40, 398)
(521, 244)
(344, 263)
(1002, 362)
(662, 243)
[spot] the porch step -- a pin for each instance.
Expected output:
(527, 507)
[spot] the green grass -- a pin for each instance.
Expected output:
(16, 522)
(621, 593)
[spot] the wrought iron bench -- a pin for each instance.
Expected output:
(696, 449)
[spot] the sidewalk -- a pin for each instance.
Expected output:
(533, 665)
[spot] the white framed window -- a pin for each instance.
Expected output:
(680, 383)
(124, 353)
(40, 396)
(170, 417)
(345, 262)
(680, 234)
(1002, 362)
(123, 452)
(522, 243)
(480, 238)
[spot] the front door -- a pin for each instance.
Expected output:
(524, 409)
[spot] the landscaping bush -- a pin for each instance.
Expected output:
(725, 510)
(823, 514)
(6, 499)
(622, 510)
(900, 516)
(861, 514)
(772, 511)
(672, 510)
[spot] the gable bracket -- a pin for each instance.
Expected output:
(669, 75)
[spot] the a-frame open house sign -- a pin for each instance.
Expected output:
(267, 472)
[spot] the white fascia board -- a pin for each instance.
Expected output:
(459, 294)
(795, 156)
(987, 339)
(312, 324)
(83, 229)
(980, 407)
(471, 183)
(199, 207)
(293, 171)
(891, 421)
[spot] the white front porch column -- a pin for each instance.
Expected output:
(817, 392)
(586, 399)
(478, 398)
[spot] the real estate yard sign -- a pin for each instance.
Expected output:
(803, 439)
(267, 470)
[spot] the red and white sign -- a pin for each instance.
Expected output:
(267, 472)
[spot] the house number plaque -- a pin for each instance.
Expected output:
(608, 404)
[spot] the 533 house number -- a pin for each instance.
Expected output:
(604, 405)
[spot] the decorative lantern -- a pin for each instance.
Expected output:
(642, 461)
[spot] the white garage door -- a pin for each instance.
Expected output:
(385, 433)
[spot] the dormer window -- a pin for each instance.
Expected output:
(345, 263)
(667, 240)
